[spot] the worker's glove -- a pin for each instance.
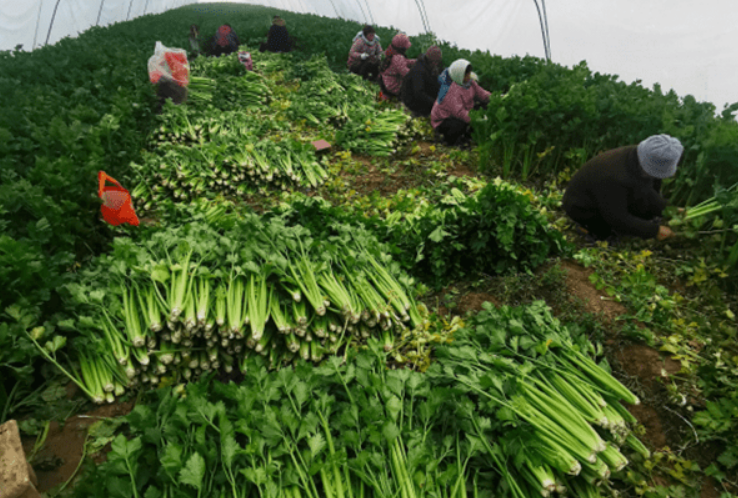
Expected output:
(364, 56)
(664, 233)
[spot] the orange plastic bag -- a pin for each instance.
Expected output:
(117, 207)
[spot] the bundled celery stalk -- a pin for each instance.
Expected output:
(188, 300)
(219, 165)
(372, 133)
(200, 89)
(523, 365)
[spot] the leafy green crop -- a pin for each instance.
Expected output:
(179, 302)
(356, 428)
(557, 118)
(495, 230)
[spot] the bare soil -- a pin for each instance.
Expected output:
(594, 301)
(60, 455)
(647, 364)
(373, 179)
(473, 302)
(710, 489)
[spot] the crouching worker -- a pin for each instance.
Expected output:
(224, 42)
(618, 191)
(365, 53)
(278, 39)
(458, 95)
(395, 65)
(420, 86)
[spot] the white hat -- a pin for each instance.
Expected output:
(659, 155)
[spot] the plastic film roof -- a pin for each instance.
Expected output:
(685, 45)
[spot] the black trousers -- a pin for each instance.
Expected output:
(263, 47)
(454, 131)
(595, 224)
(366, 69)
(418, 108)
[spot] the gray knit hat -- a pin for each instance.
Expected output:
(659, 155)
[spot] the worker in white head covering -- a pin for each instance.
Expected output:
(458, 95)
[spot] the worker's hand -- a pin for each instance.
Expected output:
(364, 56)
(664, 233)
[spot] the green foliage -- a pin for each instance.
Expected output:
(69, 110)
(555, 117)
(354, 427)
(16, 353)
(495, 230)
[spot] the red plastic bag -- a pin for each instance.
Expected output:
(178, 64)
(117, 207)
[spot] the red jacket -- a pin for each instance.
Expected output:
(398, 68)
(361, 47)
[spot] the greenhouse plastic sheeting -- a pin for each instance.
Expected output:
(27, 22)
(688, 46)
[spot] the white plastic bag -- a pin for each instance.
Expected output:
(169, 63)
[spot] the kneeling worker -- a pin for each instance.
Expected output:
(618, 191)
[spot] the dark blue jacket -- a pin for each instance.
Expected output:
(278, 40)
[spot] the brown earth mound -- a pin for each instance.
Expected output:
(594, 301)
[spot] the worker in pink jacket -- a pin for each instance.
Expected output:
(395, 66)
(459, 94)
(365, 54)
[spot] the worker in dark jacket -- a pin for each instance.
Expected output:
(278, 39)
(618, 192)
(420, 86)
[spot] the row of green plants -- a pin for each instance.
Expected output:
(65, 117)
(208, 148)
(141, 281)
(558, 118)
(515, 406)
